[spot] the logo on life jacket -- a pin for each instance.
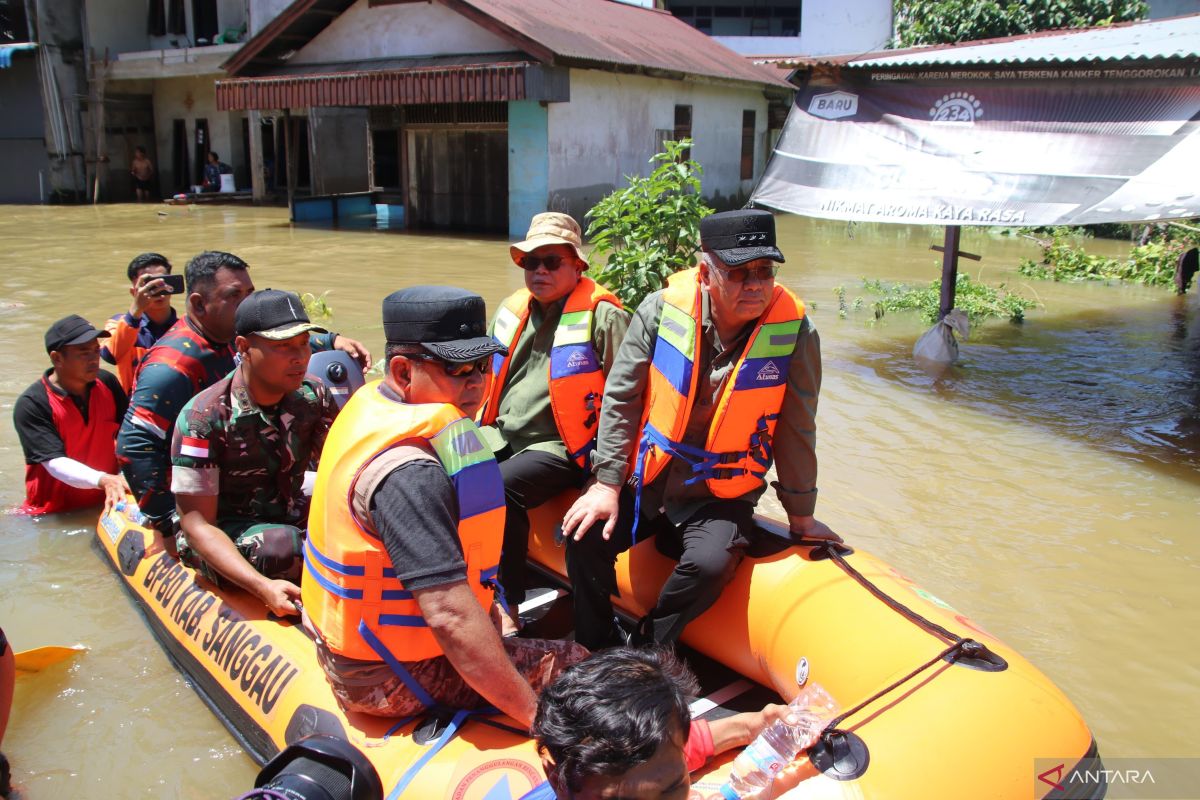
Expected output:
(768, 374)
(577, 359)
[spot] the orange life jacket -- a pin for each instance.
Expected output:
(576, 377)
(92, 443)
(738, 450)
(350, 590)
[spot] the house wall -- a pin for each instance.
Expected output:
(419, 29)
(847, 26)
(121, 25)
(263, 11)
(22, 133)
(171, 98)
(608, 128)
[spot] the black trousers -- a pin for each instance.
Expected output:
(530, 478)
(709, 545)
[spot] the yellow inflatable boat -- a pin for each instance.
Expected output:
(933, 706)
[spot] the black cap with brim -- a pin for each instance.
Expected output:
(447, 322)
(273, 314)
(736, 237)
(70, 330)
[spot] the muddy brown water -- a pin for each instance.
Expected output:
(1048, 486)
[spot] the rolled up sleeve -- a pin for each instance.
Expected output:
(796, 433)
(624, 395)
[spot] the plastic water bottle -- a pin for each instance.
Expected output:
(757, 765)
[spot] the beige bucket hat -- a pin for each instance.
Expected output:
(549, 227)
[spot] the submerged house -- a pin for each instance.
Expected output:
(477, 114)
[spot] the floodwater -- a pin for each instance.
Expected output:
(1048, 486)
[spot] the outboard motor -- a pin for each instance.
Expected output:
(339, 372)
(318, 767)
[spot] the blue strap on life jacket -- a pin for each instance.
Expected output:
(448, 734)
(418, 691)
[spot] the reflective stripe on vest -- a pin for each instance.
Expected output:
(738, 450)
(348, 575)
(576, 377)
(92, 443)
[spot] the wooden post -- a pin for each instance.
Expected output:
(949, 269)
(258, 178)
(292, 133)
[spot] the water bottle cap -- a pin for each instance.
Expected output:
(728, 793)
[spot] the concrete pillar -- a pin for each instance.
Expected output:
(61, 59)
(258, 178)
(528, 164)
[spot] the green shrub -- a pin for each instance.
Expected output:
(650, 229)
(1151, 264)
(978, 301)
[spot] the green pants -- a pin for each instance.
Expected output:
(273, 549)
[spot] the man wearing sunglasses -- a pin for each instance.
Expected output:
(562, 333)
(404, 533)
(718, 374)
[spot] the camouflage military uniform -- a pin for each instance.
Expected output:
(253, 459)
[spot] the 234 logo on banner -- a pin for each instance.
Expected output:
(957, 107)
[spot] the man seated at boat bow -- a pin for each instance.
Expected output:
(405, 534)
(241, 450)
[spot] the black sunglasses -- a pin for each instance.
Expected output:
(740, 274)
(457, 369)
(551, 261)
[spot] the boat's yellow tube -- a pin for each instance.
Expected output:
(951, 731)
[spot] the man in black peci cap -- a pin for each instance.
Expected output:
(241, 451)
(404, 539)
(719, 372)
(67, 423)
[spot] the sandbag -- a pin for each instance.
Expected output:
(938, 348)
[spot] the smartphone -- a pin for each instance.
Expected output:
(174, 283)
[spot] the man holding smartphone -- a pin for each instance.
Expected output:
(150, 315)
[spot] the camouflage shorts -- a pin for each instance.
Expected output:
(372, 688)
(276, 551)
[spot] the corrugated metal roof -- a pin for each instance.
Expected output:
(1176, 38)
(601, 32)
(587, 33)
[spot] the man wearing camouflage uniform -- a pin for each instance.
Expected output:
(241, 450)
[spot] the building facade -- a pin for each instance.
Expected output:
(478, 114)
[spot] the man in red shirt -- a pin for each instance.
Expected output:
(67, 423)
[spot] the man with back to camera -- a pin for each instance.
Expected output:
(149, 318)
(562, 333)
(242, 449)
(719, 372)
(192, 356)
(408, 510)
(67, 423)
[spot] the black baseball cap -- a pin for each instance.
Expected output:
(71, 330)
(448, 322)
(273, 314)
(736, 237)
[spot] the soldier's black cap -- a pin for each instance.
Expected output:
(71, 330)
(448, 322)
(273, 314)
(736, 237)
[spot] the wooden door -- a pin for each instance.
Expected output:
(458, 179)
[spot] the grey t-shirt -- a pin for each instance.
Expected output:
(415, 511)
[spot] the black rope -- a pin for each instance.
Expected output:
(830, 549)
(841, 717)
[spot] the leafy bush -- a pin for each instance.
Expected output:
(945, 21)
(650, 229)
(1151, 264)
(317, 306)
(978, 301)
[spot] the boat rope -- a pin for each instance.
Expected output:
(833, 723)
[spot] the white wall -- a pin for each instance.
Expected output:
(828, 27)
(607, 131)
(1160, 9)
(263, 11)
(120, 25)
(418, 29)
(171, 96)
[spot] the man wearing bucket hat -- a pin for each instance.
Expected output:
(719, 373)
(404, 537)
(67, 423)
(241, 450)
(562, 332)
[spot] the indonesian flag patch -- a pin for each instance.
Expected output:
(196, 448)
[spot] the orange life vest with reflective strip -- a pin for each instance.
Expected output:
(576, 376)
(348, 576)
(738, 450)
